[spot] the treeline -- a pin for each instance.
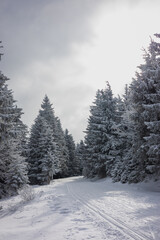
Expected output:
(123, 134)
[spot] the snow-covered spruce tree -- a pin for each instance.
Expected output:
(62, 150)
(127, 134)
(24, 140)
(152, 108)
(80, 153)
(17, 168)
(91, 139)
(42, 153)
(145, 95)
(118, 149)
(124, 131)
(136, 166)
(13, 168)
(100, 137)
(73, 167)
(47, 112)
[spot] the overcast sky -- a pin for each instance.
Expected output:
(68, 49)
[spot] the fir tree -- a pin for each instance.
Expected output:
(119, 135)
(127, 134)
(91, 139)
(47, 112)
(145, 97)
(42, 155)
(100, 135)
(80, 153)
(72, 161)
(62, 150)
(16, 168)
(124, 138)
(151, 113)
(13, 168)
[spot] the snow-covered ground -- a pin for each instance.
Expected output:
(78, 209)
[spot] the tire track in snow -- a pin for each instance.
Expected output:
(108, 219)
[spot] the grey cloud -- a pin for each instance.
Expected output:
(40, 33)
(33, 30)
(38, 38)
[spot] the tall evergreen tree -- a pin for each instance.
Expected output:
(151, 113)
(145, 96)
(42, 155)
(124, 138)
(92, 138)
(127, 136)
(47, 112)
(139, 157)
(13, 168)
(62, 150)
(80, 154)
(119, 136)
(48, 148)
(73, 167)
(100, 137)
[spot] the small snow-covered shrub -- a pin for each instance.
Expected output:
(26, 193)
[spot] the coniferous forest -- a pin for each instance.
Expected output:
(122, 138)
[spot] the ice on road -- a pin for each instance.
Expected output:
(79, 209)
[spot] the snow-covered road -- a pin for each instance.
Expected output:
(78, 209)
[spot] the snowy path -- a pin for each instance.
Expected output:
(77, 209)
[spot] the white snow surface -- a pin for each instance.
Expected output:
(79, 209)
